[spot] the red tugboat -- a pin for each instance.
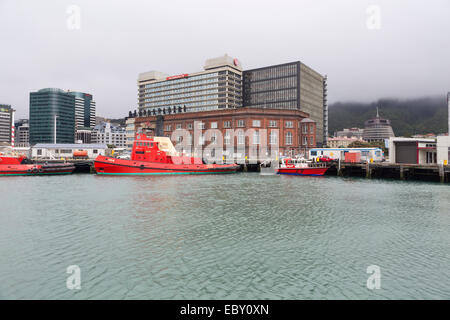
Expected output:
(21, 166)
(301, 167)
(157, 156)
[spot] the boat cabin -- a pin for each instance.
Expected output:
(158, 149)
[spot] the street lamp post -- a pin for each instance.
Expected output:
(55, 130)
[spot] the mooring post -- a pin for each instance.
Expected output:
(368, 171)
(441, 173)
(339, 171)
(402, 173)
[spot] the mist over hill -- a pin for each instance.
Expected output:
(408, 117)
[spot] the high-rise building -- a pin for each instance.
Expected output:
(217, 87)
(71, 112)
(289, 86)
(6, 125)
(22, 133)
(50, 107)
(84, 110)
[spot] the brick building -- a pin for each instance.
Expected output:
(291, 130)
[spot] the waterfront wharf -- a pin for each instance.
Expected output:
(375, 170)
(386, 170)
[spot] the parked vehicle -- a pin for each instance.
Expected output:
(366, 154)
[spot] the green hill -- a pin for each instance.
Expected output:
(408, 117)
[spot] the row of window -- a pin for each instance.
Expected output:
(273, 139)
(241, 124)
(292, 105)
(181, 81)
(190, 104)
(210, 83)
(273, 96)
(198, 97)
(272, 72)
(275, 84)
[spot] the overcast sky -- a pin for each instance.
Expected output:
(405, 53)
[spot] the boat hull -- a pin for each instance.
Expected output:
(113, 166)
(35, 170)
(303, 171)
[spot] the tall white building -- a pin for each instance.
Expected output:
(130, 132)
(6, 124)
(218, 86)
(107, 133)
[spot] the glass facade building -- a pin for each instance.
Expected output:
(45, 104)
(217, 87)
(84, 110)
(288, 86)
(274, 87)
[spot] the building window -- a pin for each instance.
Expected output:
(288, 138)
(227, 124)
(273, 137)
(241, 137)
(241, 123)
(305, 128)
(272, 123)
(256, 137)
(311, 128)
(213, 125)
(179, 126)
(256, 123)
(213, 138)
(201, 125)
(39, 152)
(305, 140)
(189, 126)
(227, 138)
(289, 124)
(168, 127)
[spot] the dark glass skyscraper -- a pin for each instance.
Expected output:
(45, 104)
(288, 86)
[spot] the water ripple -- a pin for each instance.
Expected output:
(242, 236)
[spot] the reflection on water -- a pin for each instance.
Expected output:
(241, 236)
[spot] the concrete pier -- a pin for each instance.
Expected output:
(383, 170)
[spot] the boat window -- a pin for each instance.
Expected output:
(314, 153)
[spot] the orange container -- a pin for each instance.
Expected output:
(80, 153)
(353, 157)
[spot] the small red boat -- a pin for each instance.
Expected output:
(21, 166)
(301, 167)
(157, 156)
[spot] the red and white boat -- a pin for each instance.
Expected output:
(157, 156)
(20, 166)
(301, 167)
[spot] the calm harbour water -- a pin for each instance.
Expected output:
(241, 236)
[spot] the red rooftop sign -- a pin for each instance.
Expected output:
(184, 75)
